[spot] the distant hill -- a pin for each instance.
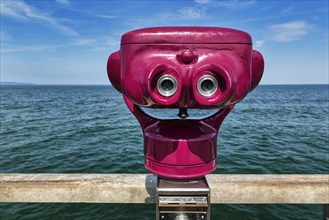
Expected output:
(16, 84)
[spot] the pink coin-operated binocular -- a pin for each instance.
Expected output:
(183, 68)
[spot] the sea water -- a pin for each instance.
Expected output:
(279, 129)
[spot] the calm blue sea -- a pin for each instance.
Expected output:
(88, 129)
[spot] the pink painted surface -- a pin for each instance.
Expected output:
(183, 149)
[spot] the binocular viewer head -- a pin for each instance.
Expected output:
(183, 67)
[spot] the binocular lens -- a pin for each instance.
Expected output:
(167, 85)
(207, 85)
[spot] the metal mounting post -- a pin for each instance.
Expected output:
(183, 200)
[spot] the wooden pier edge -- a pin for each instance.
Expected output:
(140, 188)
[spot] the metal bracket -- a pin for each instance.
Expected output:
(183, 200)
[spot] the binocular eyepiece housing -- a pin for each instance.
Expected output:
(183, 68)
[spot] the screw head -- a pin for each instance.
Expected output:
(187, 56)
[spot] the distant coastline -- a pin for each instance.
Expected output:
(16, 84)
(35, 84)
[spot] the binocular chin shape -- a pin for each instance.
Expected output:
(183, 67)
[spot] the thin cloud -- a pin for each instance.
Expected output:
(178, 17)
(249, 20)
(290, 31)
(84, 42)
(111, 42)
(232, 5)
(101, 43)
(284, 13)
(288, 10)
(106, 42)
(20, 11)
(202, 1)
(183, 14)
(12, 9)
(5, 37)
(28, 48)
(191, 13)
(104, 16)
(259, 43)
(63, 2)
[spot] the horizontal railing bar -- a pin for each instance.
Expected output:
(140, 188)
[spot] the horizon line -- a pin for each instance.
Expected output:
(7, 83)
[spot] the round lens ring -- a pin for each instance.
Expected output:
(207, 85)
(167, 85)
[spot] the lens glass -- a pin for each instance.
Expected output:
(207, 85)
(167, 85)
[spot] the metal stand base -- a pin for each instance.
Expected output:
(183, 200)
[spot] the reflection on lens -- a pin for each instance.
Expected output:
(167, 85)
(207, 85)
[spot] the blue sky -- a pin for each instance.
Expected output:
(69, 41)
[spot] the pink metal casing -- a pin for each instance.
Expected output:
(183, 149)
